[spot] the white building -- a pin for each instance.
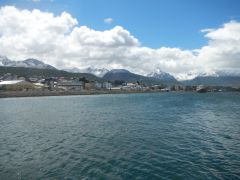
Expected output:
(70, 85)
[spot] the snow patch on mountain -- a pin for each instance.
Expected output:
(28, 63)
(208, 73)
(161, 75)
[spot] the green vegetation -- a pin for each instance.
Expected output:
(18, 87)
(45, 73)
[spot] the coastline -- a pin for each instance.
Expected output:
(12, 94)
(9, 94)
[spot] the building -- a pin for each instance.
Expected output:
(90, 85)
(33, 80)
(132, 86)
(107, 85)
(50, 83)
(98, 85)
(70, 85)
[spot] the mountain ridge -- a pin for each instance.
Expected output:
(46, 73)
(28, 63)
(220, 78)
(163, 76)
(214, 81)
(127, 76)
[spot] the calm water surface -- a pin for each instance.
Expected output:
(135, 136)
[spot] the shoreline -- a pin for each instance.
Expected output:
(10, 94)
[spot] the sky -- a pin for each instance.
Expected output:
(183, 38)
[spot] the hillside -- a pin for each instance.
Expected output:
(124, 75)
(33, 72)
(215, 81)
(163, 76)
(28, 63)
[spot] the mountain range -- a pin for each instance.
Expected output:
(28, 63)
(228, 80)
(127, 76)
(44, 73)
(163, 76)
(217, 78)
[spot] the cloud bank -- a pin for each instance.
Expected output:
(62, 42)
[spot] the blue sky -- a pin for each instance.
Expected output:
(168, 34)
(156, 23)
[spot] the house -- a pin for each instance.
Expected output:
(51, 83)
(107, 85)
(118, 88)
(70, 85)
(33, 80)
(7, 77)
(98, 85)
(132, 86)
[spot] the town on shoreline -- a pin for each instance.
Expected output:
(17, 86)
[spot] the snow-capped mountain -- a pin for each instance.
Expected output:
(193, 74)
(232, 73)
(28, 63)
(95, 71)
(210, 73)
(125, 75)
(218, 78)
(161, 75)
(227, 77)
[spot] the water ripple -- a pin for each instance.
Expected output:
(142, 136)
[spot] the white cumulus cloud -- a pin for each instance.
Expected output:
(60, 41)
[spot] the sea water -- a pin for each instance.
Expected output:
(124, 136)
